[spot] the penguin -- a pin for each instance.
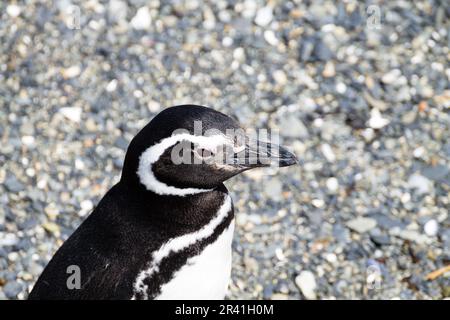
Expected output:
(165, 230)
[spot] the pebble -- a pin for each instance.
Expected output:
(391, 76)
(8, 239)
(328, 152)
(142, 20)
(362, 224)
(306, 282)
(377, 121)
(329, 70)
(412, 235)
(71, 113)
(293, 127)
(71, 72)
(12, 289)
(86, 207)
(264, 16)
(431, 228)
(153, 106)
(420, 183)
(13, 10)
(273, 189)
(13, 184)
(332, 184)
(270, 37)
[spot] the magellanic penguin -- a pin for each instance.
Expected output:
(164, 231)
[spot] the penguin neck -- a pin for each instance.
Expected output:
(191, 211)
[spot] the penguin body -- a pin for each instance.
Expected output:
(164, 231)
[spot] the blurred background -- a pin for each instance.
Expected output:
(359, 90)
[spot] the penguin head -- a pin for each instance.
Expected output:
(191, 149)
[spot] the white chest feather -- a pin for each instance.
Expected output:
(206, 275)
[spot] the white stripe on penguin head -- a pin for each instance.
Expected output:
(153, 153)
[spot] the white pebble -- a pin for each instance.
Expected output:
(328, 152)
(264, 16)
(8, 239)
(239, 54)
(28, 140)
(376, 121)
(112, 85)
(341, 87)
(280, 77)
(142, 20)
(227, 41)
(419, 152)
(431, 228)
(270, 37)
(86, 207)
(13, 10)
(71, 113)
(332, 184)
(318, 203)
(307, 284)
(71, 72)
(153, 106)
(391, 76)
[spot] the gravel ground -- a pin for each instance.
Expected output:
(364, 102)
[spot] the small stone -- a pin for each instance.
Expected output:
(411, 235)
(280, 77)
(142, 20)
(420, 183)
(28, 140)
(13, 10)
(376, 121)
(117, 10)
(431, 228)
(270, 37)
(52, 228)
(121, 143)
(86, 207)
(111, 86)
(391, 76)
(51, 211)
(381, 239)
(8, 239)
(419, 152)
(409, 117)
(341, 87)
(13, 184)
(318, 203)
(274, 189)
(292, 127)
(329, 70)
(239, 54)
(71, 72)
(332, 184)
(306, 49)
(153, 106)
(71, 113)
(438, 173)
(264, 16)
(368, 134)
(321, 51)
(328, 152)
(306, 282)
(362, 224)
(12, 289)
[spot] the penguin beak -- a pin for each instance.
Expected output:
(263, 154)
